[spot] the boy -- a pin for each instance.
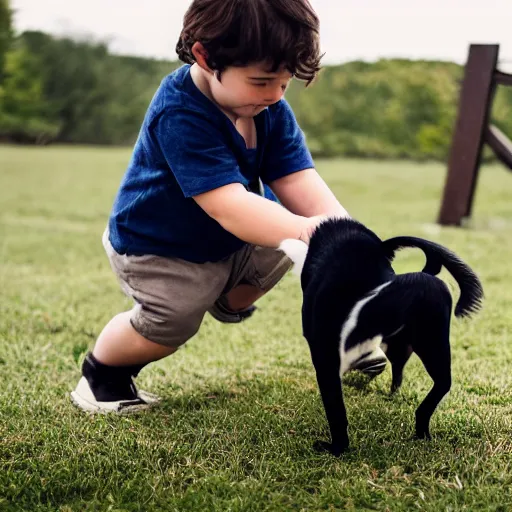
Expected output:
(196, 221)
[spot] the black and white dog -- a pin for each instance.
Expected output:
(354, 305)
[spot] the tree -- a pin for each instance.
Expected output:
(23, 109)
(6, 33)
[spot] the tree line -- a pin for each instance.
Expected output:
(74, 91)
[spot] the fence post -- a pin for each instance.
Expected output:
(470, 130)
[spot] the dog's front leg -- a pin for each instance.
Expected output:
(327, 367)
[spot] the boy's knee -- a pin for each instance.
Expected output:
(164, 328)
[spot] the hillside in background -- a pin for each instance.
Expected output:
(67, 91)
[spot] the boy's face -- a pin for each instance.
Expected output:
(246, 91)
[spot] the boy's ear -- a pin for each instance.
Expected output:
(201, 55)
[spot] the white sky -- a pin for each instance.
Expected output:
(350, 29)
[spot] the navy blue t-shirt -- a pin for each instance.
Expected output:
(188, 146)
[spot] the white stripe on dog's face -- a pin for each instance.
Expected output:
(354, 353)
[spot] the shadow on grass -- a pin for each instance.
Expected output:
(381, 426)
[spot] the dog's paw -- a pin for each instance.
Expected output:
(394, 390)
(423, 435)
(324, 446)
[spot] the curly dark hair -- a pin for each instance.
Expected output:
(240, 32)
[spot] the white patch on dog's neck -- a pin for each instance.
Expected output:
(354, 353)
(296, 250)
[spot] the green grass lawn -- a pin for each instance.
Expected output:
(241, 408)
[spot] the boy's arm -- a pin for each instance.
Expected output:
(253, 218)
(305, 193)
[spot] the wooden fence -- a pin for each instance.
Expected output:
(472, 131)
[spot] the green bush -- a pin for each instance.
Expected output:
(77, 92)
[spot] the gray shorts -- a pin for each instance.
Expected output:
(172, 295)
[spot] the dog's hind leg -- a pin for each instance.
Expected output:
(435, 356)
(327, 367)
(397, 367)
(398, 351)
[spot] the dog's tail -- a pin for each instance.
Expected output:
(296, 250)
(471, 291)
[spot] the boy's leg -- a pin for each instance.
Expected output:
(119, 344)
(243, 296)
(107, 373)
(171, 298)
(256, 270)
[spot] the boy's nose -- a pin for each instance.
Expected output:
(274, 96)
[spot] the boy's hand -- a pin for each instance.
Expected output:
(310, 224)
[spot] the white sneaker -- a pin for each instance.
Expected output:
(84, 398)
